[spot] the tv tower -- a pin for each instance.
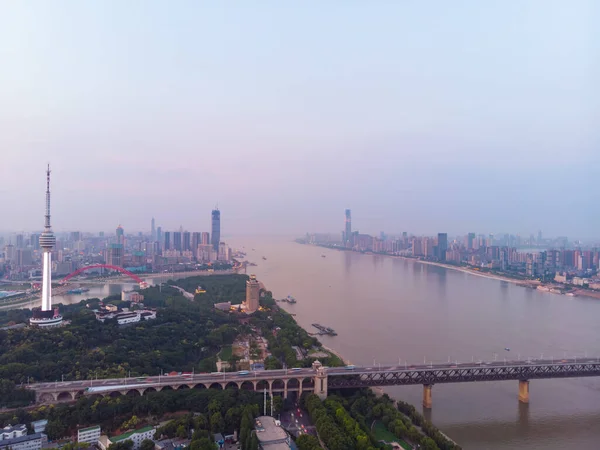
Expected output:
(46, 317)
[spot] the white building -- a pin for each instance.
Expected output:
(11, 432)
(136, 436)
(89, 434)
(126, 317)
(26, 442)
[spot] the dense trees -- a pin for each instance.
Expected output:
(219, 288)
(110, 413)
(184, 336)
(308, 442)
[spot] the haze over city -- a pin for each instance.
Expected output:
(459, 117)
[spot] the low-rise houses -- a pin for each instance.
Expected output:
(12, 432)
(26, 442)
(126, 316)
(136, 436)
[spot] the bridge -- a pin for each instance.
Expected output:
(105, 266)
(320, 379)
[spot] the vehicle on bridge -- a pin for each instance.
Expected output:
(243, 372)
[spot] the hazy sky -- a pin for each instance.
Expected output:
(420, 116)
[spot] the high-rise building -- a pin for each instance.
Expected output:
(167, 244)
(114, 255)
(196, 241)
(186, 241)
(152, 230)
(24, 257)
(20, 241)
(120, 235)
(46, 317)
(34, 241)
(177, 240)
(216, 229)
(348, 229)
(442, 246)
(205, 238)
(252, 295)
(158, 235)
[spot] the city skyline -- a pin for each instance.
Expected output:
(454, 125)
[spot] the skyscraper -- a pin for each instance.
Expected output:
(177, 240)
(45, 317)
(348, 231)
(120, 235)
(167, 245)
(152, 230)
(158, 235)
(205, 238)
(442, 246)
(185, 241)
(216, 229)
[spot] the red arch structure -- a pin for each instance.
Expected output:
(102, 266)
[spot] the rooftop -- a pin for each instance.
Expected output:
(270, 434)
(125, 436)
(95, 427)
(28, 437)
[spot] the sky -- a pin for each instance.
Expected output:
(419, 116)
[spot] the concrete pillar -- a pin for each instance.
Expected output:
(321, 384)
(427, 395)
(524, 391)
(285, 391)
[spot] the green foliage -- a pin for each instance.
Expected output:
(110, 413)
(12, 397)
(219, 288)
(147, 444)
(308, 442)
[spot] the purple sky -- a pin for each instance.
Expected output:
(451, 116)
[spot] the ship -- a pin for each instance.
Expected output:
(323, 256)
(265, 258)
(324, 330)
(77, 291)
(290, 299)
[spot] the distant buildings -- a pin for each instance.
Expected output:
(27, 442)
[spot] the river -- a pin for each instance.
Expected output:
(387, 309)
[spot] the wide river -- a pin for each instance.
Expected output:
(387, 310)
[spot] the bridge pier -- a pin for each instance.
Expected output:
(427, 402)
(524, 391)
(320, 380)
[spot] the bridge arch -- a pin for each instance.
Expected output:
(216, 386)
(102, 266)
(133, 393)
(247, 385)
(64, 397)
(293, 383)
(149, 390)
(278, 385)
(200, 386)
(47, 397)
(232, 385)
(262, 385)
(182, 387)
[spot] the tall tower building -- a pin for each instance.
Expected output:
(216, 229)
(152, 230)
(252, 295)
(167, 244)
(120, 235)
(46, 317)
(348, 230)
(442, 246)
